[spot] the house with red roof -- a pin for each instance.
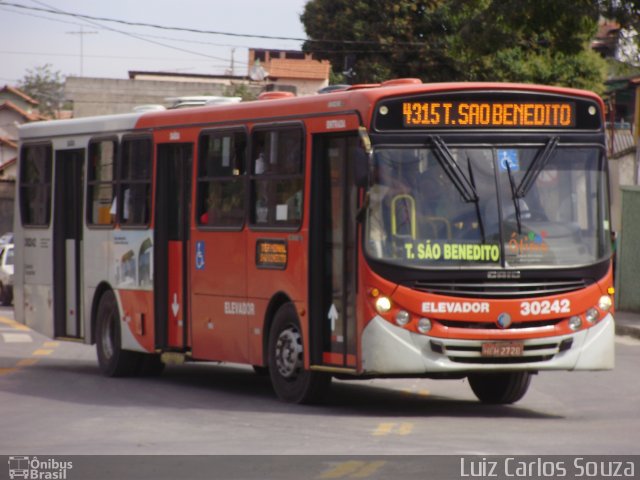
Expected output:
(18, 98)
(288, 70)
(16, 108)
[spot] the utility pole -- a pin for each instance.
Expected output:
(232, 66)
(636, 133)
(82, 33)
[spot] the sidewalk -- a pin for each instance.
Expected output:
(627, 323)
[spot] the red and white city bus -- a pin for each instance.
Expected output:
(402, 229)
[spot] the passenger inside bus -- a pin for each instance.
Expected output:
(261, 164)
(223, 205)
(113, 211)
(211, 207)
(433, 215)
(387, 185)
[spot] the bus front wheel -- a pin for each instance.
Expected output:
(291, 382)
(112, 359)
(500, 388)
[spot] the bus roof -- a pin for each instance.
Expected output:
(361, 98)
(79, 126)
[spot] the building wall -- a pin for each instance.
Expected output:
(104, 96)
(7, 153)
(8, 120)
(622, 172)
(628, 261)
(291, 67)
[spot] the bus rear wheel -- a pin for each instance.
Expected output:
(112, 359)
(500, 388)
(291, 382)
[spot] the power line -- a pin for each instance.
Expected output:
(112, 57)
(102, 27)
(208, 32)
(144, 24)
(128, 34)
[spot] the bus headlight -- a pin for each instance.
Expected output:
(592, 315)
(575, 322)
(383, 305)
(424, 325)
(605, 303)
(402, 318)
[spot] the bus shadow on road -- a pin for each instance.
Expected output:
(379, 400)
(238, 388)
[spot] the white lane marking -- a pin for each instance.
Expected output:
(17, 338)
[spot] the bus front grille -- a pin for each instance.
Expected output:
(500, 289)
(470, 351)
(494, 326)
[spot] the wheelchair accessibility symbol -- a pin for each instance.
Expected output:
(508, 157)
(200, 257)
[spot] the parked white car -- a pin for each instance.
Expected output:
(6, 238)
(6, 274)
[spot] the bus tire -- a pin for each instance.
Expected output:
(112, 359)
(290, 381)
(500, 388)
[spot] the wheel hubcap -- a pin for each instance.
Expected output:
(289, 353)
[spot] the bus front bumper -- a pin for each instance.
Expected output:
(391, 350)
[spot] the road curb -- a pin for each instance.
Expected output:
(628, 330)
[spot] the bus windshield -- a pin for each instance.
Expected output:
(488, 206)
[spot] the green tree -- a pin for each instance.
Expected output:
(532, 41)
(242, 91)
(46, 86)
(373, 41)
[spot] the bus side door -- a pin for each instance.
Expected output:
(171, 239)
(67, 243)
(333, 252)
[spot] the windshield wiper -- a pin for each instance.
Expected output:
(478, 214)
(514, 198)
(538, 164)
(453, 171)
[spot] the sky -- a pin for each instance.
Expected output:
(76, 46)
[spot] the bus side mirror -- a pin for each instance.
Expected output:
(363, 155)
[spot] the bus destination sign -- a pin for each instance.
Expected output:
(271, 254)
(475, 110)
(488, 114)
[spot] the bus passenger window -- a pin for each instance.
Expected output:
(135, 182)
(35, 185)
(100, 182)
(277, 184)
(221, 179)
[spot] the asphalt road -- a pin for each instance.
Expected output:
(54, 401)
